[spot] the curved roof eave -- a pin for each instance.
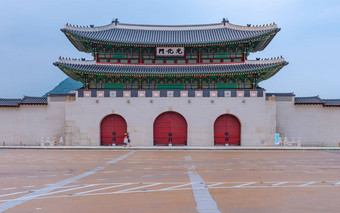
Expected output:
(206, 69)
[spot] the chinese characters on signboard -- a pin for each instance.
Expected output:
(170, 51)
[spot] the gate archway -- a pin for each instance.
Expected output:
(170, 128)
(112, 129)
(227, 130)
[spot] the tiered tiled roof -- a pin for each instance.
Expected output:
(154, 35)
(24, 101)
(130, 69)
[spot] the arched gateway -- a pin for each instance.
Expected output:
(227, 130)
(112, 129)
(170, 128)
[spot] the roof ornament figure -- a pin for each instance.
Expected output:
(225, 21)
(115, 21)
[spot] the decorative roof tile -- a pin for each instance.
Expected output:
(9, 102)
(33, 100)
(170, 35)
(331, 102)
(308, 100)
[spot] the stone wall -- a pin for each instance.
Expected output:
(28, 123)
(314, 124)
(257, 117)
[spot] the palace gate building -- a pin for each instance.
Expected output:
(189, 85)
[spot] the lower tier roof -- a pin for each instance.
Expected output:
(316, 100)
(265, 67)
(26, 100)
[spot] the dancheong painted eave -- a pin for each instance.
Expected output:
(268, 68)
(180, 35)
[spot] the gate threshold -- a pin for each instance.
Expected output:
(168, 148)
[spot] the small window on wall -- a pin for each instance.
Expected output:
(226, 60)
(191, 61)
(216, 60)
(159, 61)
(170, 61)
(113, 60)
(102, 60)
(237, 60)
(205, 60)
(180, 61)
(124, 61)
(147, 61)
(134, 61)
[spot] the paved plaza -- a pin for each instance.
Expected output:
(169, 181)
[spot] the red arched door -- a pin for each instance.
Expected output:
(170, 128)
(227, 130)
(112, 130)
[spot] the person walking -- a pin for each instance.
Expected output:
(126, 139)
(129, 141)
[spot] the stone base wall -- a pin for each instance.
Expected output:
(78, 121)
(257, 116)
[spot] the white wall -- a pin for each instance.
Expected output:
(257, 117)
(28, 123)
(314, 124)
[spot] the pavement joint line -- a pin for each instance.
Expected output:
(20, 200)
(277, 184)
(180, 189)
(307, 184)
(174, 187)
(204, 201)
(109, 187)
(139, 187)
(28, 186)
(246, 184)
(14, 193)
(9, 188)
(67, 190)
(215, 184)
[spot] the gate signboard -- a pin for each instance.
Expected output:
(170, 51)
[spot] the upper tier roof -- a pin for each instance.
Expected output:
(219, 33)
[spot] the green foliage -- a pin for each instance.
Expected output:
(66, 86)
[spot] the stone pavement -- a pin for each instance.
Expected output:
(51, 180)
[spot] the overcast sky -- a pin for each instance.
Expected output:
(31, 39)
